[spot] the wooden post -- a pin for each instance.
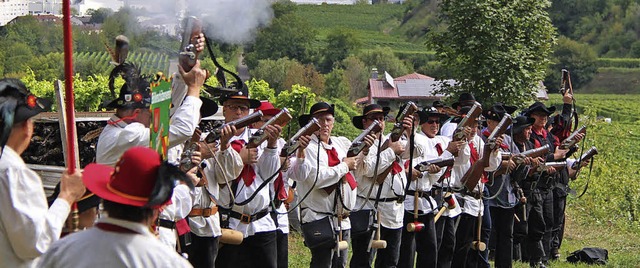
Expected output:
(62, 122)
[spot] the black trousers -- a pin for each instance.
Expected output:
(531, 246)
(424, 243)
(389, 256)
(360, 258)
(446, 238)
(502, 223)
(559, 206)
(282, 244)
(467, 227)
(547, 213)
(327, 256)
(258, 250)
(203, 251)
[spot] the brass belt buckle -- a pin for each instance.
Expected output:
(245, 218)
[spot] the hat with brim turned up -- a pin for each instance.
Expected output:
(369, 110)
(316, 109)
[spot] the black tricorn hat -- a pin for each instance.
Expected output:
(318, 108)
(136, 91)
(367, 110)
(208, 108)
(427, 112)
(465, 99)
(242, 94)
(521, 122)
(539, 106)
(497, 111)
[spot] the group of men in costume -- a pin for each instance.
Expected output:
(384, 194)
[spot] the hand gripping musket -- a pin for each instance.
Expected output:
(571, 140)
(395, 135)
(292, 145)
(280, 119)
(188, 53)
(358, 143)
(238, 123)
(473, 113)
(585, 157)
(473, 175)
(189, 148)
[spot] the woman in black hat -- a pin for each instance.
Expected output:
(28, 226)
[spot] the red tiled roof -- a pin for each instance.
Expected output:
(381, 89)
(413, 76)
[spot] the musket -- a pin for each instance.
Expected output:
(188, 53)
(565, 83)
(585, 157)
(473, 175)
(555, 164)
(533, 153)
(280, 119)
(189, 148)
(238, 123)
(358, 143)
(398, 129)
(292, 145)
(473, 113)
(571, 140)
(440, 162)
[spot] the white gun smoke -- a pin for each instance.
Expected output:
(227, 21)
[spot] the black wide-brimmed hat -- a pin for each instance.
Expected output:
(539, 107)
(427, 112)
(208, 108)
(465, 99)
(316, 109)
(497, 111)
(17, 104)
(367, 110)
(437, 104)
(521, 122)
(242, 94)
(136, 90)
(87, 201)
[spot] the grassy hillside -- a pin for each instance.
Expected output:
(614, 80)
(373, 24)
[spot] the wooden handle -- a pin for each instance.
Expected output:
(442, 209)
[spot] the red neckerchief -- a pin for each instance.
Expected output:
(474, 157)
(108, 227)
(397, 168)
(447, 172)
(248, 175)
(333, 160)
(278, 186)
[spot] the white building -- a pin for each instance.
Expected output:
(53, 7)
(10, 9)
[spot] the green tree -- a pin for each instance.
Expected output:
(17, 56)
(48, 67)
(496, 49)
(288, 36)
(283, 73)
(260, 89)
(356, 75)
(336, 85)
(385, 60)
(298, 99)
(340, 44)
(578, 58)
(99, 15)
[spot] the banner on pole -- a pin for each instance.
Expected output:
(160, 105)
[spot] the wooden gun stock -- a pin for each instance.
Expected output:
(358, 143)
(585, 157)
(293, 144)
(571, 140)
(473, 175)
(238, 123)
(397, 130)
(473, 113)
(188, 53)
(440, 162)
(280, 119)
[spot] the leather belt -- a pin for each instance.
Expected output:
(246, 218)
(472, 194)
(203, 212)
(383, 200)
(167, 224)
(423, 194)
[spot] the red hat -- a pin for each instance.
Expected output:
(267, 108)
(132, 180)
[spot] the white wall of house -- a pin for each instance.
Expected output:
(10, 9)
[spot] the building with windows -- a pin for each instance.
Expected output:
(10, 9)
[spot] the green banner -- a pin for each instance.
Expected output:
(160, 105)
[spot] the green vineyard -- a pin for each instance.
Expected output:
(149, 62)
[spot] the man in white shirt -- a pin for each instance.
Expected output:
(243, 211)
(465, 99)
(133, 193)
(27, 225)
(322, 171)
